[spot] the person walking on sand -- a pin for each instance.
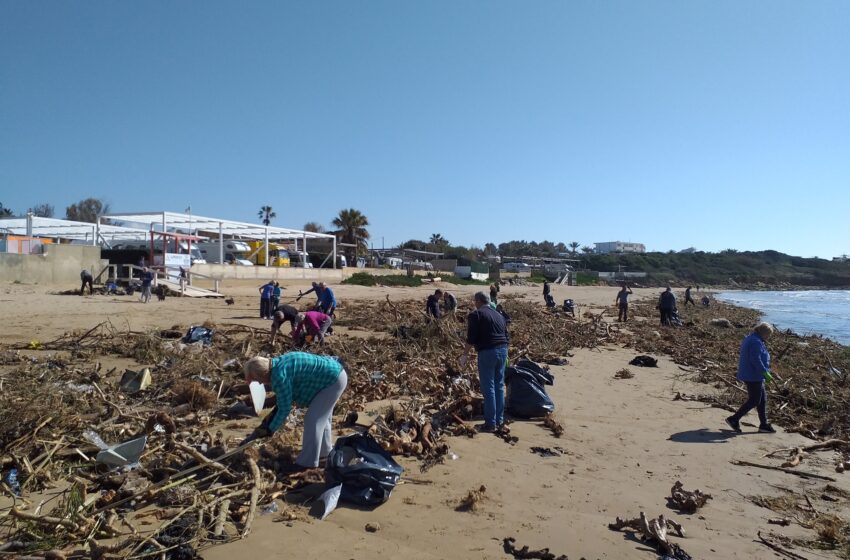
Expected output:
(667, 306)
(688, 298)
(754, 370)
(147, 280)
(306, 380)
(266, 291)
(432, 304)
(487, 333)
(622, 302)
(86, 279)
(494, 294)
(547, 289)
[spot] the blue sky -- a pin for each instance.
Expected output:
(676, 124)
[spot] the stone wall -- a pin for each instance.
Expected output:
(59, 266)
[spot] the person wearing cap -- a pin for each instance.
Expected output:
(86, 279)
(282, 314)
(312, 323)
(754, 371)
(305, 380)
(487, 333)
(432, 304)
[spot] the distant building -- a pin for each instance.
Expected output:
(619, 247)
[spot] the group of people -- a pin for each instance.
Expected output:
(308, 326)
(269, 298)
(147, 277)
(435, 309)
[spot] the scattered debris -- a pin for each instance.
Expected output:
(509, 546)
(553, 425)
(686, 501)
(654, 532)
(372, 527)
(548, 451)
(471, 501)
(624, 373)
(135, 381)
(722, 323)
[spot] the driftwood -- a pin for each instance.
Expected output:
(654, 531)
(255, 495)
(781, 469)
(686, 501)
(779, 549)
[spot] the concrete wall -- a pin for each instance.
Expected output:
(60, 265)
(235, 272)
(445, 265)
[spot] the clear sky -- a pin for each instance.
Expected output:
(708, 124)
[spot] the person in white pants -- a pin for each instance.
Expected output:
(304, 379)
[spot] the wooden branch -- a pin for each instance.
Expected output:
(779, 549)
(789, 471)
(255, 496)
(44, 520)
(200, 457)
(223, 510)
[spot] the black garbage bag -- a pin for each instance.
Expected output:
(199, 334)
(542, 374)
(526, 396)
(644, 361)
(368, 474)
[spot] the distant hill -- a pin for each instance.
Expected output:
(770, 268)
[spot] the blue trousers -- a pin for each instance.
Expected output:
(756, 398)
(491, 376)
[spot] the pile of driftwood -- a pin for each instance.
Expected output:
(195, 486)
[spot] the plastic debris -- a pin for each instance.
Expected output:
(330, 498)
(123, 454)
(135, 381)
(258, 396)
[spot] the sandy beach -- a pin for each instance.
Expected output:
(627, 441)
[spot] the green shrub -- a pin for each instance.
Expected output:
(366, 279)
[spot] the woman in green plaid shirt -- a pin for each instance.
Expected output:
(306, 380)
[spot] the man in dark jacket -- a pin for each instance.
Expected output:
(282, 314)
(754, 370)
(86, 279)
(666, 306)
(487, 333)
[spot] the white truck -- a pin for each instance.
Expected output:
(235, 252)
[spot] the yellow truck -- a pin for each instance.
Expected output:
(278, 254)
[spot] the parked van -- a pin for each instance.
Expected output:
(516, 267)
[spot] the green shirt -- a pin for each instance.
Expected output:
(296, 378)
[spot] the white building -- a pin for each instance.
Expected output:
(619, 247)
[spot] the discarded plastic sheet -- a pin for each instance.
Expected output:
(135, 381)
(123, 454)
(376, 376)
(270, 508)
(199, 334)
(330, 499)
(258, 396)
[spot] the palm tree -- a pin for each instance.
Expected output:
(266, 213)
(352, 224)
(587, 250)
(574, 245)
(438, 240)
(315, 227)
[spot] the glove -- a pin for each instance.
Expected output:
(258, 433)
(767, 376)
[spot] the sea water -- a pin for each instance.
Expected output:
(823, 312)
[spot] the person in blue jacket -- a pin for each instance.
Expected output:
(327, 301)
(754, 370)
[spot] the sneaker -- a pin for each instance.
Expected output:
(767, 429)
(734, 424)
(486, 428)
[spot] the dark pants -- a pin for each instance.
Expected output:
(756, 398)
(624, 312)
(666, 317)
(83, 287)
(690, 300)
(265, 307)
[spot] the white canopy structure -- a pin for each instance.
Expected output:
(53, 228)
(190, 223)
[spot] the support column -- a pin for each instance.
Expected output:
(220, 243)
(305, 250)
(335, 254)
(266, 248)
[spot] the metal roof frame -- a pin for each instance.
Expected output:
(233, 228)
(69, 229)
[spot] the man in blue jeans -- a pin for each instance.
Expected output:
(487, 333)
(754, 370)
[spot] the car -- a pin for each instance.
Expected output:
(516, 267)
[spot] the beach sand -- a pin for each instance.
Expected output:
(626, 443)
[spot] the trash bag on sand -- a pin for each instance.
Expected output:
(368, 474)
(199, 334)
(544, 377)
(526, 396)
(644, 361)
